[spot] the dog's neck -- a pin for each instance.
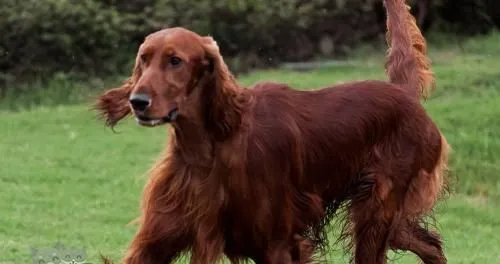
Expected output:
(218, 117)
(193, 143)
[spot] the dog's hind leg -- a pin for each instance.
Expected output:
(422, 194)
(426, 245)
(372, 213)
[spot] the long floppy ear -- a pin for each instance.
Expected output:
(216, 63)
(113, 105)
(223, 113)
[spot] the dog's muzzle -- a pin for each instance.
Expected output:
(148, 121)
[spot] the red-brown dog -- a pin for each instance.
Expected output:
(258, 173)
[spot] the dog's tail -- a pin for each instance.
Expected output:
(407, 63)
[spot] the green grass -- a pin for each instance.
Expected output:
(65, 177)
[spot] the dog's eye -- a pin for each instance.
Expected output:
(175, 61)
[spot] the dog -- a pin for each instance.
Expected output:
(258, 173)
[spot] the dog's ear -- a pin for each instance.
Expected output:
(222, 91)
(113, 105)
(215, 63)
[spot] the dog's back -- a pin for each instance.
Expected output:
(334, 128)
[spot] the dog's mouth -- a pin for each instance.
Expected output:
(152, 122)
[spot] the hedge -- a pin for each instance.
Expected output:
(41, 37)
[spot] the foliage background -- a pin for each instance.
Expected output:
(99, 37)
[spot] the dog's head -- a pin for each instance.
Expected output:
(172, 67)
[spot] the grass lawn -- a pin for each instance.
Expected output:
(65, 177)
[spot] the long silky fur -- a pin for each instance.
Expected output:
(364, 155)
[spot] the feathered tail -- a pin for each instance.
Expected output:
(407, 63)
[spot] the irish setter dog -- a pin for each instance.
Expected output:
(258, 173)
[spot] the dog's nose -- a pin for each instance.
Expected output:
(139, 101)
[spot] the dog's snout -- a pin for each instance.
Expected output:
(139, 101)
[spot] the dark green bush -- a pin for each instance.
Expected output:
(264, 32)
(42, 37)
(468, 17)
(100, 36)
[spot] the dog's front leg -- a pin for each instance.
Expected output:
(159, 240)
